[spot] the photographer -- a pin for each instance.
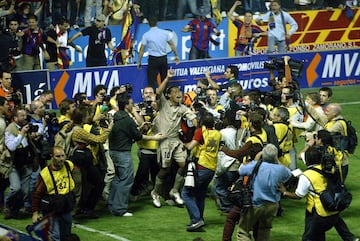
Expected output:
(13, 96)
(18, 139)
(147, 148)
(200, 90)
(66, 108)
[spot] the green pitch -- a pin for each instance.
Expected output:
(169, 223)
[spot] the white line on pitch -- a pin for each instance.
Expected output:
(350, 103)
(116, 237)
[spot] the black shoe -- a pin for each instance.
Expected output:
(86, 214)
(8, 214)
(195, 226)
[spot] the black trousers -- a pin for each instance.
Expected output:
(156, 65)
(147, 165)
(316, 226)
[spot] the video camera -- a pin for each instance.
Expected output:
(33, 128)
(296, 66)
(149, 110)
(128, 88)
(200, 96)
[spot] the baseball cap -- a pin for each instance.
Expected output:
(101, 17)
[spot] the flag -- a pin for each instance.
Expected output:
(122, 53)
(63, 58)
(42, 227)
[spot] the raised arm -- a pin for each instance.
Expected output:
(232, 10)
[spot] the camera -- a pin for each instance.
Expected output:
(128, 88)
(296, 66)
(50, 117)
(271, 98)
(146, 109)
(33, 128)
(14, 97)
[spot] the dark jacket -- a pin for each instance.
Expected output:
(124, 132)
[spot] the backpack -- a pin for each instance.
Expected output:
(63, 139)
(241, 191)
(348, 142)
(335, 197)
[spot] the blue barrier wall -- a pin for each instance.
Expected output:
(328, 68)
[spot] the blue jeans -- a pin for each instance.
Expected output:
(19, 180)
(124, 178)
(193, 7)
(198, 54)
(222, 183)
(194, 198)
(281, 44)
(62, 226)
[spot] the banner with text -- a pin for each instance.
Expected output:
(328, 68)
(318, 30)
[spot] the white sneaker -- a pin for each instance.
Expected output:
(176, 196)
(156, 199)
(127, 214)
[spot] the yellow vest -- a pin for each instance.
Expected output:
(284, 134)
(209, 150)
(64, 181)
(255, 138)
(318, 182)
(93, 148)
(148, 144)
(332, 122)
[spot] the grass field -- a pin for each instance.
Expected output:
(169, 223)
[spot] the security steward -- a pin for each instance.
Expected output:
(54, 178)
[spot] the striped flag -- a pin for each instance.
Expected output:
(42, 227)
(63, 58)
(122, 53)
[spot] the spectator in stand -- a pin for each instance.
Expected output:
(201, 29)
(24, 12)
(13, 96)
(156, 40)
(304, 4)
(99, 35)
(277, 33)
(325, 96)
(246, 31)
(33, 41)
(193, 6)
(59, 58)
(88, 9)
(16, 39)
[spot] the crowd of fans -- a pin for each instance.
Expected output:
(40, 28)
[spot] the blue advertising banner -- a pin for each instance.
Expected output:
(326, 68)
(31, 84)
